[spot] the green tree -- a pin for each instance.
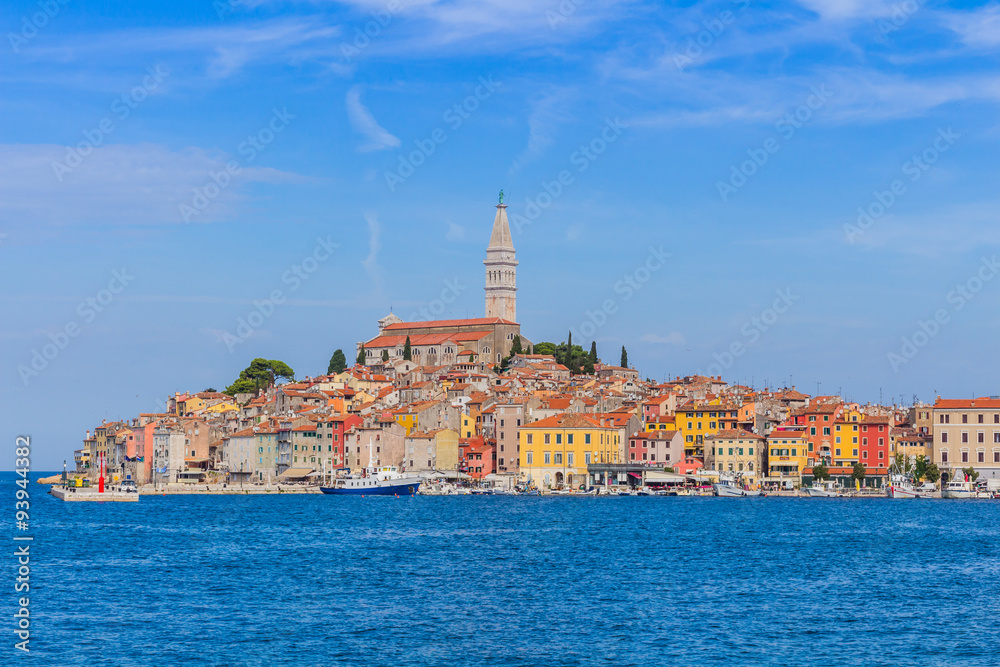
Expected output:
(593, 352)
(970, 474)
(361, 356)
(210, 390)
(820, 472)
(385, 356)
(920, 467)
(624, 363)
(515, 347)
(859, 472)
(932, 473)
(261, 373)
(338, 363)
(547, 349)
(407, 352)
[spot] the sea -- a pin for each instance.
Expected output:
(496, 580)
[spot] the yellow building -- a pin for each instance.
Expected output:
(846, 432)
(556, 451)
(736, 451)
(697, 422)
(788, 455)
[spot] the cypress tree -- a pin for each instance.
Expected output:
(407, 352)
(624, 363)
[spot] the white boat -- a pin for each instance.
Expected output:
(825, 489)
(958, 489)
(902, 487)
(730, 487)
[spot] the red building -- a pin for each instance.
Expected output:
(476, 457)
(874, 447)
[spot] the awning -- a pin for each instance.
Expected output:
(658, 477)
(295, 473)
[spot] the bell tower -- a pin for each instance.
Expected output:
(501, 269)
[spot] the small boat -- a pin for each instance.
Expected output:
(902, 487)
(825, 489)
(958, 489)
(730, 487)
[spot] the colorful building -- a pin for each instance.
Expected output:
(556, 451)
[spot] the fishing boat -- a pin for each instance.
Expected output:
(731, 487)
(825, 489)
(375, 481)
(902, 487)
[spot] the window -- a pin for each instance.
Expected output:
(838, 439)
(982, 456)
(548, 458)
(569, 438)
(981, 438)
(854, 440)
(944, 436)
(864, 441)
(558, 438)
(944, 456)
(548, 438)
(530, 458)
(965, 456)
(996, 457)
(838, 451)
(881, 453)
(751, 454)
(586, 439)
(996, 436)
(855, 452)
(826, 430)
(980, 421)
(529, 438)
(965, 436)
(586, 458)
(965, 419)
(569, 458)
(812, 430)
(864, 454)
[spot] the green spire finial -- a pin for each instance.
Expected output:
(501, 196)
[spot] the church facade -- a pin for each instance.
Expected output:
(482, 340)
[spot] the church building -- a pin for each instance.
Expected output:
(445, 342)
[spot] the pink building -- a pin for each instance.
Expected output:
(656, 448)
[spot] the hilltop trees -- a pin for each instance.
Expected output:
(338, 363)
(260, 374)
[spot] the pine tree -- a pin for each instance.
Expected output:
(338, 362)
(407, 352)
(624, 363)
(361, 356)
(593, 352)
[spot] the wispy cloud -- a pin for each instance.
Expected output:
(370, 263)
(548, 111)
(455, 232)
(364, 123)
(673, 338)
(118, 184)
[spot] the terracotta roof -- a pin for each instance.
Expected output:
(984, 403)
(447, 323)
(565, 420)
(734, 434)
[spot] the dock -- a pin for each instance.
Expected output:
(90, 494)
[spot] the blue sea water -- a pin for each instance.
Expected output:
(323, 580)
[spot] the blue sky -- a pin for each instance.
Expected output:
(115, 116)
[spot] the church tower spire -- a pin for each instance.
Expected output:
(501, 269)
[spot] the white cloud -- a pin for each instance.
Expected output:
(455, 232)
(547, 113)
(119, 184)
(364, 123)
(673, 338)
(374, 245)
(980, 28)
(848, 9)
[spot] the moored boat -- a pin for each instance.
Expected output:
(958, 489)
(730, 487)
(374, 481)
(825, 489)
